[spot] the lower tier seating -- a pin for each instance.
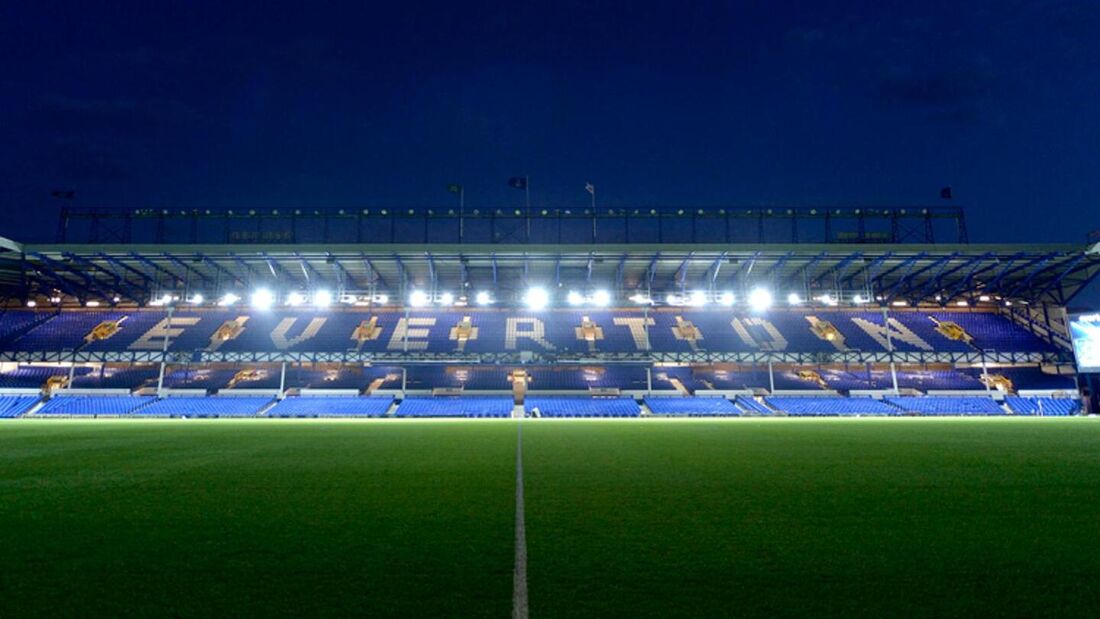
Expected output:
(799, 406)
(1046, 407)
(92, 405)
(330, 406)
(691, 407)
(202, 406)
(750, 406)
(457, 406)
(947, 405)
(581, 407)
(15, 405)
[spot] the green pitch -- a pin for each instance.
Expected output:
(629, 518)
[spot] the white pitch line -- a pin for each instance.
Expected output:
(519, 573)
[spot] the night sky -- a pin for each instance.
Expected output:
(195, 104)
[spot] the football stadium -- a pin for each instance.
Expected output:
(562, 412)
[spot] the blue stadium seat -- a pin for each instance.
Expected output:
(691, 406)
(947, 405)
(12, 406)
(835, 406)
(65, 405)
(330, 406)
(455, 406)
(204, 406)
(580, 406)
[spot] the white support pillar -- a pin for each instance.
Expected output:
(282, 381)
(771, 378)
(164, 354)
(890, 349)
(72, 371)
(985, 373)
(404, 378)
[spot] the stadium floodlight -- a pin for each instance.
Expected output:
(760, 299)
(536, 298)
(727, 298)
(962, 303)
(900, 303)
(382, 299)
(983, 298)
(418, 298)
(859, 299)
(262, 299)
(295, 299)
(672, 299)
(826, 299)
(697, 298)
(574, 298)
(195, 299)
(322, 299)
(640, 299)
(163, 299)
(92, 304)
(794, 299)
(32, 303)
(228, 299)
(483, 298)
(446, 299)
(601, 298)
(116, 299)
(55, 300)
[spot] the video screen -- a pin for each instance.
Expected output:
(1085, 332)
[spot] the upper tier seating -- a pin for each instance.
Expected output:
(947, 405)
(691, 406)
(201, 406)
(331, 406)
(798, 406)
(456, 406)
(1047, 407)
(15, 405)
(579, 406)
(92, 405)
(495, 330)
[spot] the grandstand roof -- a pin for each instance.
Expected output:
(894, 273)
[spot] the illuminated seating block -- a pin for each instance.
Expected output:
(750, 405)
(692, 406)
(1048, 407)
(830, 406)
(582, 407)
(12, 406)
(459, 406)
(947, 405)
(331, 406)
(200, 406)
(92, 405)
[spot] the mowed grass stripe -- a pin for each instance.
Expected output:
(256, 518)
(789, 517)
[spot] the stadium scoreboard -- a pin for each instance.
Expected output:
(1084, 330)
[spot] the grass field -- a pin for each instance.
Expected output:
(945, 517)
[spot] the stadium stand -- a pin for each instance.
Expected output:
(12, 406)
(674, 406)
(330, 406)
(456, 406)
(830, 406)
(750, 406)
(947, 405)
(1047, 407)
(66, 405)
(201, 406)
(579, 406)
(496, 330)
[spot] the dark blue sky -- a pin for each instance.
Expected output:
(198, 104)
